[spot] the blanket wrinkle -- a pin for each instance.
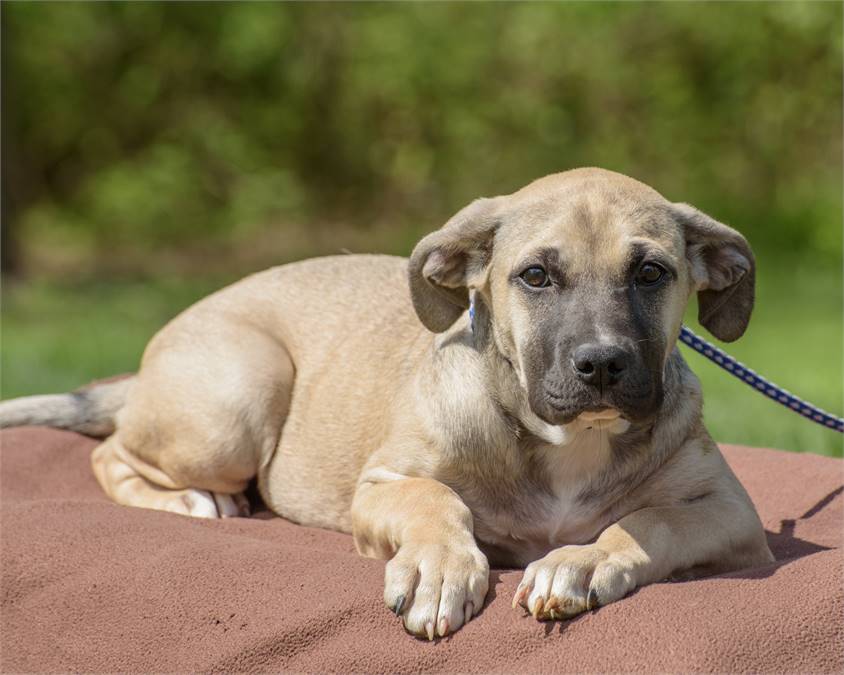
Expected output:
(88, 585)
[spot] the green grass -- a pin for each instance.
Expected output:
(58, 338)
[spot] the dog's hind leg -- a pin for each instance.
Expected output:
(124, 484)
(203, 417)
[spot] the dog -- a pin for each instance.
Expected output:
(557, 427)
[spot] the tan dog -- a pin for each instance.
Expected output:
(560, 430)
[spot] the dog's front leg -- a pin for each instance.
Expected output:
(437, 577)
(716, 533)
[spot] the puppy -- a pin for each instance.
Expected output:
(558, 428)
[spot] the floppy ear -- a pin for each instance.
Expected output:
(723, 270)
(447, 262)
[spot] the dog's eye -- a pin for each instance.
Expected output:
(650, 274)
(535, 276)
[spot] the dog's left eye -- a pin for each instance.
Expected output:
(650, 274)
(535, 277)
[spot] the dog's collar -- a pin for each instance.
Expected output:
(472, 314)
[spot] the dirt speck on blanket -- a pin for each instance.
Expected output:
(91, 586)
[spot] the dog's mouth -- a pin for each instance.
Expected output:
(605, 419)
(600, 415)
(573, 407)
(560, 430)
(556, 405)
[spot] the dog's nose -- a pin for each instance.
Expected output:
(599, 364)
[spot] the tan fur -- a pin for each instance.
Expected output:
(318, 378)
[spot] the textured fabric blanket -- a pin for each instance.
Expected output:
(91, 586)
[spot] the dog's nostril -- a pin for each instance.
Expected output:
(615, 367)
(584, 366)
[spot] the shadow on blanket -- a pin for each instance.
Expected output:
(785, 546)
(88, 585)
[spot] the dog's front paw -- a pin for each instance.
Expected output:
(571, 580)
(436, 588)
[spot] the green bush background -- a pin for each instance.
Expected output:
(155, 151)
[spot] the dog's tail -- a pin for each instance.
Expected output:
(90, 411)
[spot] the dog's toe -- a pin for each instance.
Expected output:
(226, 505)
(204, 504)
(572, 580)
(436, 588)
(196, 503)
(243, 505)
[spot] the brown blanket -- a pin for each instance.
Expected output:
(91, 586)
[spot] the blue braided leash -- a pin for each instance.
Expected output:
(747, 376)
(759, 383)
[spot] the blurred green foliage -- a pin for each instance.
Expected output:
(143, 129)
(194, 142)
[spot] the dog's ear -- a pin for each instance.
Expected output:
(446, 263)
(723, 271)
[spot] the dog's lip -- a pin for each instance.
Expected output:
(603, 414)
(588, 413)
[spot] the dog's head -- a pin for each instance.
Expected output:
(583, 278)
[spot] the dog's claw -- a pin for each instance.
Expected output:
(468, 610)
(537, 608)
(551, 605)
(399, 606)
(592, 601)
(520, 593)
(442, 629)
(429, 629)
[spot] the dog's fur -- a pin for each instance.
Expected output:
(441, 444)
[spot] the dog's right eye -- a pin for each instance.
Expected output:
(536, 277)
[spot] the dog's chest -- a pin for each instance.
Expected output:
(532, 525)
(524, 518)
